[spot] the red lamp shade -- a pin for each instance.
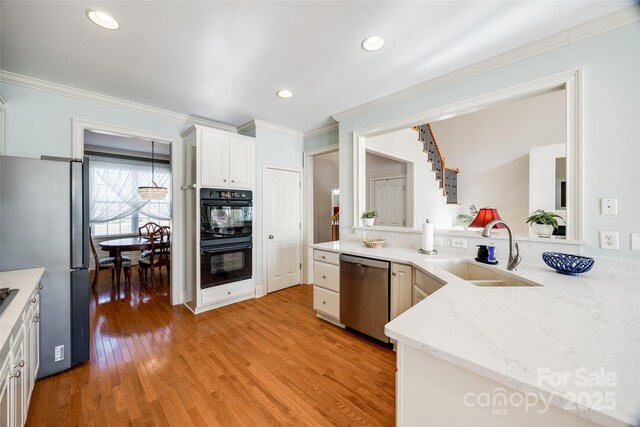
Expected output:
(485, 216)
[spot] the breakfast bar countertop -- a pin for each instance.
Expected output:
(25, 281)
(587, 325)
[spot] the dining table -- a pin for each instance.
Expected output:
(115, 248)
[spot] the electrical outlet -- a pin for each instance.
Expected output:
(59, 353)
(458, 243)
(609, 240)
(608, 206)
(635, 241)
(438, 240)
(361, 234)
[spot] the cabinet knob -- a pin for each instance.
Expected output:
(16, 375)
(228, 292)
(20, 364)
(324, 277)
(33, 300)
(394, 273)
(324, 257)
(37, 318)
(224, 180)
(40, 286)
(324, 302)
(233, 180)
(271, 236)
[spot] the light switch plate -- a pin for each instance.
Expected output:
(608, 206)
(635, 241)
(609, 240)
(361, 234)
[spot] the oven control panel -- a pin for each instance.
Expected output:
(215, 194)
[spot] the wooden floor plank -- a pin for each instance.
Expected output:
(267, 362)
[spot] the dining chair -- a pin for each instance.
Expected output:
(159, 255)
(145, 231)
(108, 263)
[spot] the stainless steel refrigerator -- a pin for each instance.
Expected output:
(44, 214)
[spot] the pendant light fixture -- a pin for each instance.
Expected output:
(153, 192)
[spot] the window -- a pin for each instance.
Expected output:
(115, 207)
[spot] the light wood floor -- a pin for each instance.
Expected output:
(267, 361)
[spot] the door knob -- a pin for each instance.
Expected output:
(270, 236)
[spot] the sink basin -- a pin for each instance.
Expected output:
(483, 276)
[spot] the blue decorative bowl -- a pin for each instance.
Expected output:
(571, 265)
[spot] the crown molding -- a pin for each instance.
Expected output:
(321, 131)
(85, 95)
(259, 124)
(572, 35)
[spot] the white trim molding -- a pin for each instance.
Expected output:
(580, 32)
(321, 131)
(259, 124)
(85, 95)
(177, 162)
(568, 80)
(2, 111)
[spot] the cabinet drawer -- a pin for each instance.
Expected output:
(428, 284)
(326, 276)
(325, 256)
(226, 292)
(418, 295)
(326, 302)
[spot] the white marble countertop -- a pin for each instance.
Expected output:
(25, 281)
(580, 327)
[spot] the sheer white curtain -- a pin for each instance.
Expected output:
(114, 186)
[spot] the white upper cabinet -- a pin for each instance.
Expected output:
(214, 159)
(226, 160)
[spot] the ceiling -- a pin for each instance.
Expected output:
(224, 61)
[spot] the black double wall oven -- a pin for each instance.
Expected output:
(225, 236)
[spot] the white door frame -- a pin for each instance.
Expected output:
(77, 150)
(265, 266)
(307, 225)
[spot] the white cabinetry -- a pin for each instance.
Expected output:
(19, 362)
(326, 287)
(424, 285)
(226, 160)
(214, 159)
(401, 289)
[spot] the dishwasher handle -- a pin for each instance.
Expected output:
(364, 262)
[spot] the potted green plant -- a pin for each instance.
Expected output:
(369, 217)
(543, 222)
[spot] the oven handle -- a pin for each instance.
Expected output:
(225, 248)
(240, 203)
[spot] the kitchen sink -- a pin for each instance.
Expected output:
(482, 276)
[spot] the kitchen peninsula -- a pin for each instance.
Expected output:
(465, 343)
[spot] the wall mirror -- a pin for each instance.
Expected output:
(516, 151)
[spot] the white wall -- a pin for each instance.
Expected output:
(325, 176)
(610, 64)
(491, 149)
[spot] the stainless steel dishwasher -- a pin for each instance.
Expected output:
(364, 295)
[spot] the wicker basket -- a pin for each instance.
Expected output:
(374, 243)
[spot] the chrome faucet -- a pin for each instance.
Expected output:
(514, 252)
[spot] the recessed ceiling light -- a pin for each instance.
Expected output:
(372, 43)
(102, 19)
(284, 93)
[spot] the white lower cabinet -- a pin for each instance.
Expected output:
(401, 287)
(326, 289)
(19, 362)
(424, 285)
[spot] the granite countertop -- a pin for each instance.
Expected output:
(581, 327)
(25, 281)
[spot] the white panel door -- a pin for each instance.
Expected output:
(283, 231)
(389, 201)
(214, 160)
